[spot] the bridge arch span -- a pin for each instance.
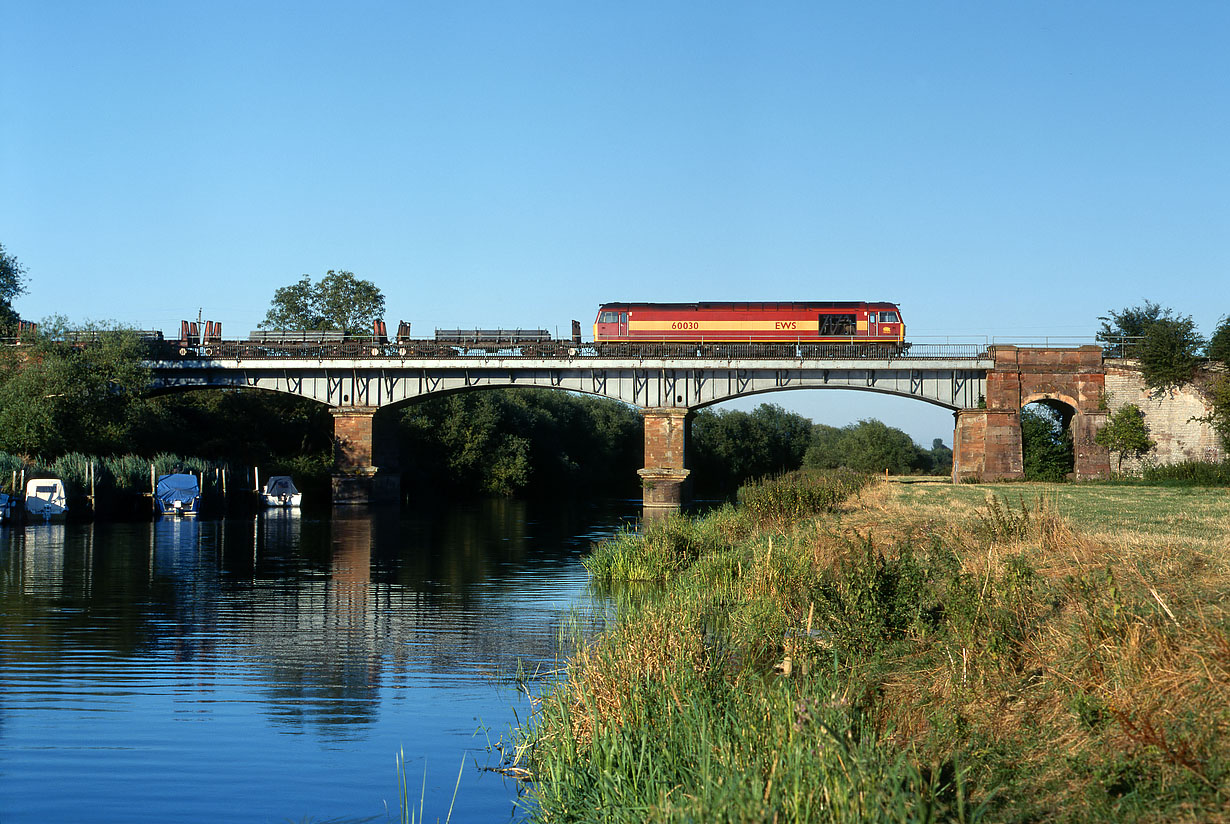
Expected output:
(948, 405)
(691, 384)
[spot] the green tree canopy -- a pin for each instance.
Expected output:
(1046, 445)
(1122, 330)
(941, 458)
(340, 301)
(1125, 433)
(872, 446)
(1219, 345)
(1170, 352)
(1166, 344)
(1219, 417)
(518, 441)
(730, 446)
(56, 397)
(12, 284)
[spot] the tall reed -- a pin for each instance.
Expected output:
(122, 474)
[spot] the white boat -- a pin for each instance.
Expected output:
(7, 502)
(178, 494)
(46, 498)
(280, 491)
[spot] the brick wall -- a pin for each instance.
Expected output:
(1168, 416)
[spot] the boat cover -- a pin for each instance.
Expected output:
(45, 496)
(280, 485)
(179, 487)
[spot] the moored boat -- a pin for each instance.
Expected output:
(46, 498)
(280, 491)
(178, 494)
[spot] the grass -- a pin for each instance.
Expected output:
(910, 652)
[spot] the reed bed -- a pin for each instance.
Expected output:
(117, 480)
(999, 654)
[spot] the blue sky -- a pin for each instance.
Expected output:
(997, 169)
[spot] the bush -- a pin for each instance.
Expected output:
(1189, 473)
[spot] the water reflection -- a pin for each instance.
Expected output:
(42, 573)
(222, 643)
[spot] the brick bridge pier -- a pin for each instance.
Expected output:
(365, 466)
(987, 441)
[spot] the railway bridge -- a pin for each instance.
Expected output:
(984, 386)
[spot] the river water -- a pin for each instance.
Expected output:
(272, 668)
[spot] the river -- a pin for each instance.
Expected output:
(272, 668)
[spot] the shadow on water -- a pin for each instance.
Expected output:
(283, 654)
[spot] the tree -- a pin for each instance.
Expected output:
(1166, 344)
(941, 458)
(516, 441)
(867, 446)
(1125, 433)
(339, 302)
(57, 398)
(1219, 345)
(1121, 331)
(731, 446)
(12, 284)
(1219, 416)
(1169, 352)
(1046, 445)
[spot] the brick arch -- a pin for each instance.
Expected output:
(987, 441)
(1061, 397)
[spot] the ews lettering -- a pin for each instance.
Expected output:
(786, 324)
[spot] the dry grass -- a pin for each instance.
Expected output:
(1070, 645)
(1132, 663)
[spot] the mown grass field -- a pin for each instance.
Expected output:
(871, 651)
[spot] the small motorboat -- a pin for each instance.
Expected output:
(280, 491)
(177, 494)
(7, 502)
(46, 498)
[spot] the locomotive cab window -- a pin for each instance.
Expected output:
(837, 324)
(888, 317)
(607, 317)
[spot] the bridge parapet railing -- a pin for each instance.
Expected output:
(374, 349)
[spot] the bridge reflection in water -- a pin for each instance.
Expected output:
(285, 659)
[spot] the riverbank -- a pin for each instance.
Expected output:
(906, 653)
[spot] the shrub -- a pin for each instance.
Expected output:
(1189, 473)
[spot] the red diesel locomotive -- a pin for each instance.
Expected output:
(837, 322)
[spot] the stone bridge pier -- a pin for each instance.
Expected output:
(365, 466)
(987, 441)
